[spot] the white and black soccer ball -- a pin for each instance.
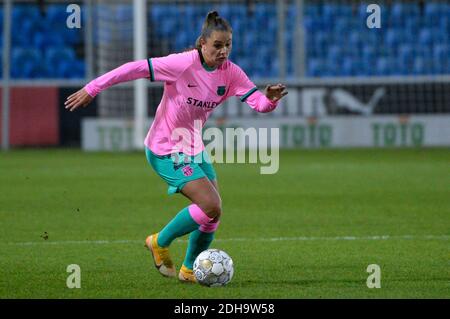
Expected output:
(213, 267)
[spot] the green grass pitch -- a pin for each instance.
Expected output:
(308, 231)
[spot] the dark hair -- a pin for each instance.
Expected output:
(213, 22)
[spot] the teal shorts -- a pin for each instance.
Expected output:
(177, 169)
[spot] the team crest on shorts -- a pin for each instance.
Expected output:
(187, 170)
(221, 90)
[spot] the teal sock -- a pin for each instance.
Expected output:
(198, 242)
(180, 225)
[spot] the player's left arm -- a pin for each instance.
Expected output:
(244, 88)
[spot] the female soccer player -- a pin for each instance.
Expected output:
(195, 83)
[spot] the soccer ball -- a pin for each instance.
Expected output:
(213, 267)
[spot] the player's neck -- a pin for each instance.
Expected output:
(207, 65)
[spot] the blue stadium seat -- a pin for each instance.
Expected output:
(406, 53)
(335, 54)
(356, 40)
(434, 12)
(412, 24)
(368, 54)
(56, 57)
(348, 67)
(42, 40)
(71, 70)
(263, 11)
(311, 24)
(444, 26)
(189, 12)
(399, 11)
(441, 58)
(27, 63)
(433, 9)
(384, 66)
(226, 10)
(312, 10)
(275, 68)
(393, 38)
(342, 25)
(421, 67)
(441, 52)
(56, 15)
(124, 13)
(426, 37)
(182, 41)
(22, 12)
(330, 11)
(316, 67)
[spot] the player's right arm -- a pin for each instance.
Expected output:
(166, 69)
(126, 72)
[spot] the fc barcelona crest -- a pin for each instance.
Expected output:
(220, 90)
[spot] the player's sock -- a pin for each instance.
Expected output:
(187, 220)
(199, 240)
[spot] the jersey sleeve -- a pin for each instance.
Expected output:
(247, 91)
(127, 72)
(169, 68)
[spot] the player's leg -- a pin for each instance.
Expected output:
(201, 238)
(180, 175)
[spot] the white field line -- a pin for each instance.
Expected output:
(339, 238)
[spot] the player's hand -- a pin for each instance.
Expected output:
(79, 99)
(275, 92)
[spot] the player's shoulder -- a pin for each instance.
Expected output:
(232, 68)
(187, 57)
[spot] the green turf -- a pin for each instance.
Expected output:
(81, 197)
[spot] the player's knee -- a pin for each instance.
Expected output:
(213, 208)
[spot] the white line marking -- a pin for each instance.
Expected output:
(340, 238)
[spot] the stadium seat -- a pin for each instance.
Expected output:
(369, 51)
(42, 40)
(384, 66)
(27, 63)
(399, 11)
(421, 67)
(335, 53)
(393, 38)
(124, 13)
(56, 15)
(441, 51)
(71, 70)
(406, 53)
(433, 9)
(55, 57)
(330, 11)
(348, 67)
(312, 10)
(426, 37)
(342, 25)
(182, 41)
(22, 12)
(441, 61)
(412, 24)
(315, 67)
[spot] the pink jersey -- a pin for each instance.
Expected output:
(192, 91)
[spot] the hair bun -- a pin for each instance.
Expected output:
(212, 15)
